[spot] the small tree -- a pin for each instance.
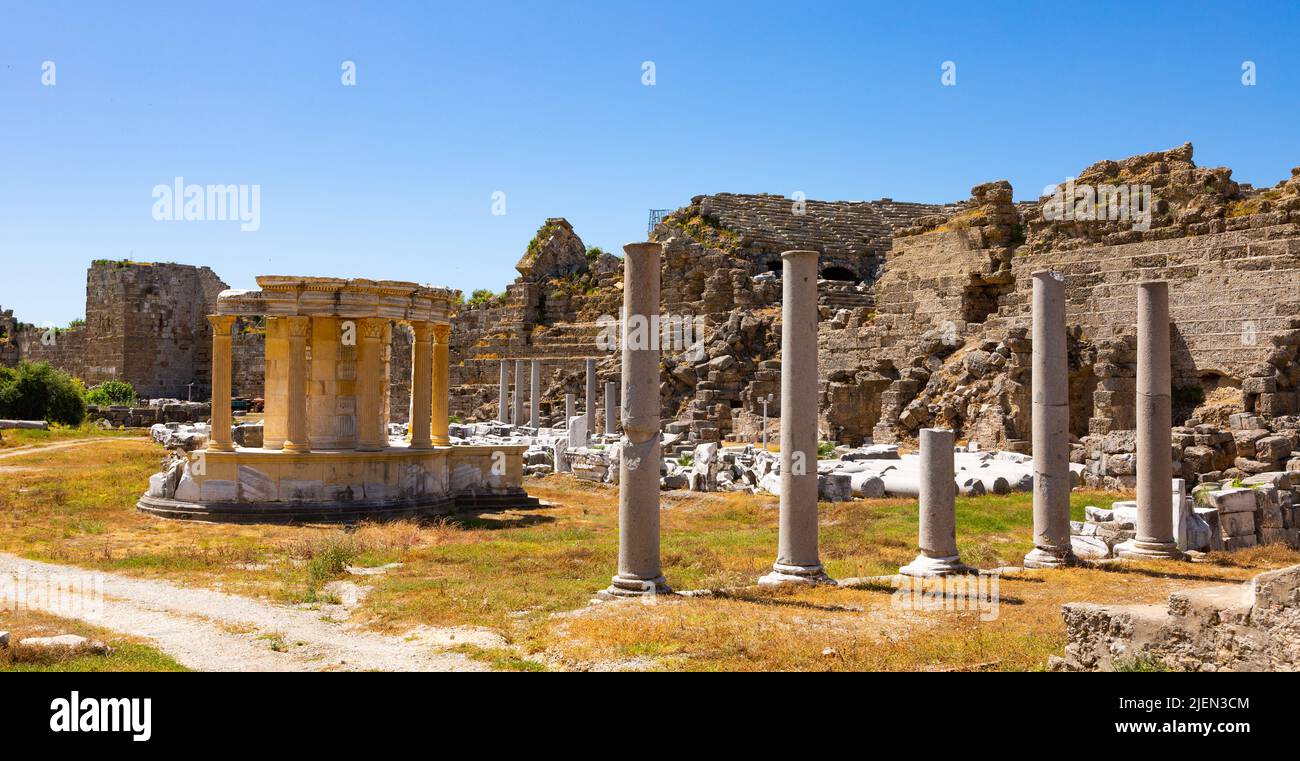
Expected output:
(109, 393)
(37, 391)
(481, 297)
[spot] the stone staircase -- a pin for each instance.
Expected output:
(836, 295)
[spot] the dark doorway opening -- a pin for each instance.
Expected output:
(839, 273)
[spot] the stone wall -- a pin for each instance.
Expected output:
(1243, 627)
(145, 324)
(248, 359)
(949, 337)
(144, 417)
(66, 349)
(721, 263)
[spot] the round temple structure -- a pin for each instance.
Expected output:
(327, 454)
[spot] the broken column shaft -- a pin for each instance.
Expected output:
(611, 408)
(1155, 518)
(937, 532)
(1051, 426)
(639, 571)
(797, 560)
(517, 411)
(535, 395)
(503, 395)
(590, 409)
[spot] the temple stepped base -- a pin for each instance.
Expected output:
(332, 512)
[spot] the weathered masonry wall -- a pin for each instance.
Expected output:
(145, 324)
(721, 263)
(947, 343)
(1229, 294)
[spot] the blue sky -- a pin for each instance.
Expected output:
(393, 178)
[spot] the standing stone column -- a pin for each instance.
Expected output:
(219, 440)
(296, 436)
(503, 396)
(590, 409)
(535, 395)
(517, 413)
(797, 560)
(421, 385)
(1155, 518)
(1051, 426)
(371, 436)
(570, 402)
(611, 414)
(639, 571)
(275, 386)
(441, 383)
(937, 533)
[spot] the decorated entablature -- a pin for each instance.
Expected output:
(326, 451)
(355, 298)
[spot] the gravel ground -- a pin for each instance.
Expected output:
(214, 631)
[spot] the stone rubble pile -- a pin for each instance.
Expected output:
(1260, 509)
(154, 412)
(1240, 627)
(1201, 452)
(180, 436)
(550, 450)
(871, 471)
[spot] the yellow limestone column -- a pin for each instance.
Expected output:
(296, 438)
(275, 388)
(421, 385)
(371, 436)
(441, 384)
(220, 435)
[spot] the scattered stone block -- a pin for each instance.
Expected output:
(1237, 524)
(1234, 500)
(1097, 514)
(835, 487)
(1089, 547)
(1233, 543)
(1287, 536)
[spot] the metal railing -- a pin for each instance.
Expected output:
(656, 216)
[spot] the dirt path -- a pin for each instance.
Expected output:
(33, 448)
(215, 631)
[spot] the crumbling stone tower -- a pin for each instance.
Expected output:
(145, 324)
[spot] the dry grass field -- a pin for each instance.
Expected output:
(529, 575)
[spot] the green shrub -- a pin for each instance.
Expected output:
(1141, 662)
(481, 297)
(36, 391)
(109, 393)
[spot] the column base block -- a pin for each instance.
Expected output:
(220, 447)
(795, 574)
(623, 587)
(1042, 557)
(925, 565)
(440, 441)
(1135, 550)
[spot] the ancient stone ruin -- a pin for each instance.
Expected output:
(325, 451)
(1241, 627)
(924, 320)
